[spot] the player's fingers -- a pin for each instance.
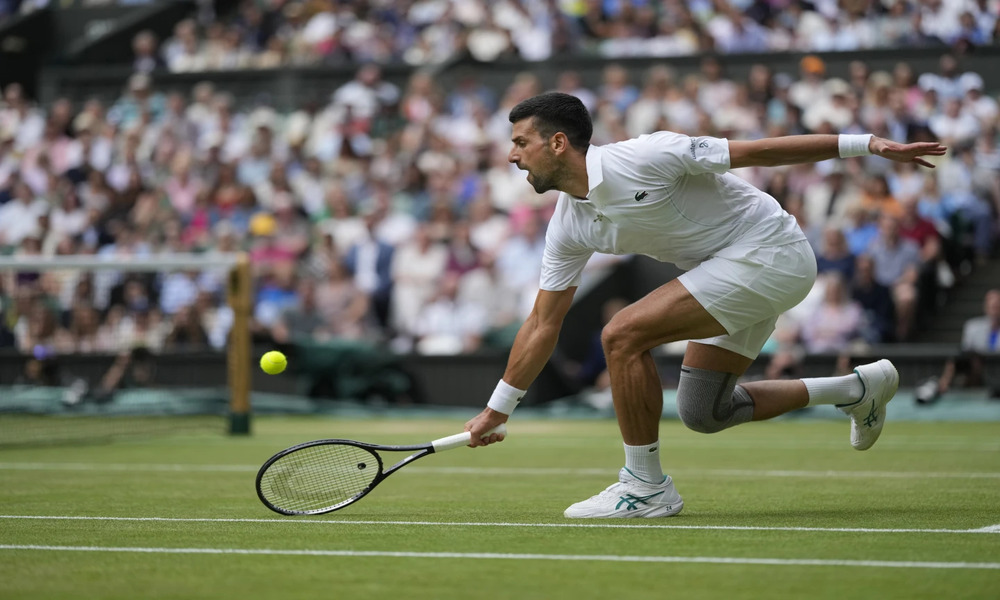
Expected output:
(923, 162)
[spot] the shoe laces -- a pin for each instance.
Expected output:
(612, 491)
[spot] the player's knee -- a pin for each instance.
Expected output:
(710, 401)
(698, 420)
(618, 338)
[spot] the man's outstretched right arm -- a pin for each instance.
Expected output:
(533, 345)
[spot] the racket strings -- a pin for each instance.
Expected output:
(319, 477)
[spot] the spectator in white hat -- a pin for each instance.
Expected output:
(952, 125)
(976, 102)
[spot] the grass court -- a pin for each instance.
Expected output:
(783, 509)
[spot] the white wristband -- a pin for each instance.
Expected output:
(854, 145)
(505, 398)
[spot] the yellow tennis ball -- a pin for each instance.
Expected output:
(273, 362)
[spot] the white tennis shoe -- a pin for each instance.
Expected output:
(630, 497)
(881, 380)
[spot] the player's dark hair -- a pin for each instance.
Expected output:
(554, 112)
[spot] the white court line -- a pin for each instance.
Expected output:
(305, 521)
(723, 560)
(536, 471)
(62, 466)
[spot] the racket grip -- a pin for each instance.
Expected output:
(462, 439)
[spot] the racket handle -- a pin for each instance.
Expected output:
(462, 439)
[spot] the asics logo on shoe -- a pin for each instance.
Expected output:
(872, 418)
(632, 502)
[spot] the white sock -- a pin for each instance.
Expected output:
(644, 462)
(846, 389)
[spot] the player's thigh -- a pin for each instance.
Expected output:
(667, 314)
(715, 358)
(756, 286)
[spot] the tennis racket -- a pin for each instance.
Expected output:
(326, 475)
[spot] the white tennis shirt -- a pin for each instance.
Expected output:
(664, 195)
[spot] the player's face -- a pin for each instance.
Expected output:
(531, 153)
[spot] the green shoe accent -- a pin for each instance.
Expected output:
(632, 501)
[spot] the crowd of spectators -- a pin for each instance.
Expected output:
(392, 215)
(265, 34)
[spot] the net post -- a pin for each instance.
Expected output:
(239, 346)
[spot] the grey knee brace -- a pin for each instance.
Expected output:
(710, 401)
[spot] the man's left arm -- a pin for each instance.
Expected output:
(797, 149)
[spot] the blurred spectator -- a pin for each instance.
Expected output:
(860, 230)
(877, 200)
(365, 94)
(897, 264)
(830, 198)
(875, 300)
(976, 102)
(338, 221)
(417, 267)
(83, 333)
(186, 332)
(519, 260)
(834, 255)
(914, 227)
(830, 108)
(370, 263)
(139, 104)
(301, 321)
(448, 324)
(463, 256)
(41, 369)
(837, 322)
(146, 59)
(19, 218)
(952, 125)
(966, 203)
(180, 289)
(616, 88)
(143, 328)
(291, 231)
(19, 118)
(811, 87)
(133, 368)
(980, 338)
(345, 308)
(276, 293)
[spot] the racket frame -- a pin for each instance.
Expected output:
(419, 451)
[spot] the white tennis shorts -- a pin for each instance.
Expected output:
(746, 289)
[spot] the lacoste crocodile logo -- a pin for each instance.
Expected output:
(640, 195)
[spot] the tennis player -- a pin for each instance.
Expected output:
(669, 196)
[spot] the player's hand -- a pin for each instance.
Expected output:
(483, 422)
(906, 152)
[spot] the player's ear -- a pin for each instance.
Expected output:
(558, 143)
